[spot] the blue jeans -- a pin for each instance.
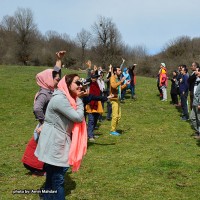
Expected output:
(55, 177)
(132, 88)
(123, 93)
(92, 122)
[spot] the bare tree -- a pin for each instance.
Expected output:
(83, 38)
(7, 40)
(26, 31)
(108, 40)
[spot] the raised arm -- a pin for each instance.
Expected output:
(123, 60)
(59, 56)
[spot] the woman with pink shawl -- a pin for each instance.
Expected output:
(47, 80)
(63, 139)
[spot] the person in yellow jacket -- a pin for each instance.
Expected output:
(116, 85)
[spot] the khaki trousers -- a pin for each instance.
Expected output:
(116, 114)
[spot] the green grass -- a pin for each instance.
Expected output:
(154, 158)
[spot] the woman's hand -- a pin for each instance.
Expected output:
(60, 54)
(38, 130)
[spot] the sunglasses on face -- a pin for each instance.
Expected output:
(78, 83)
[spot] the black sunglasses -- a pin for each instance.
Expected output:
(78, 83)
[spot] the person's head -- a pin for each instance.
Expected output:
(197, 72)
(117, 71)
(179, 68)
(94, 77)
(74, 84)
(162, 65)
(184, 69)
(89, 63)
(175, 73)
(101, 74)
(56, 73)
(194, 66)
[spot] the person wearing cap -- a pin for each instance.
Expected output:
(47, 80)
(116, 86)
(163, 81)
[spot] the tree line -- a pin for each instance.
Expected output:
(21, 43)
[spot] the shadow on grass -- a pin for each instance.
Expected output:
(69, 185)
(179, 109)
(101, 144)
(198, 143)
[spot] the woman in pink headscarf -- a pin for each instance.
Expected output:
(47, 80)
(63, 139)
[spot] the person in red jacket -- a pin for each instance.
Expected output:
(163, 81)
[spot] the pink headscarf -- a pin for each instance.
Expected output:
(78, 146)
(45, 79)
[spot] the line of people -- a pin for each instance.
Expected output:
(183, 85)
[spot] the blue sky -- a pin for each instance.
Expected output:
(150, 23)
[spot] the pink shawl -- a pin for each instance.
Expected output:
(78, 146)
(45, 79)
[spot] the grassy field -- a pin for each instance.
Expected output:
(155, 158)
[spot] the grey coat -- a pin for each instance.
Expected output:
(55, 137)
(196, 100)
(41, 102)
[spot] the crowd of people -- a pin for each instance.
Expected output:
(67, 110)
(183, 84)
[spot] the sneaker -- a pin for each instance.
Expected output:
(96, 136)
(184, 118)
(91, 139)
(114, 133)
(164, 100)
(109, 119)
(197, 137)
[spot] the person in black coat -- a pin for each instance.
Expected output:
(174, 88)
